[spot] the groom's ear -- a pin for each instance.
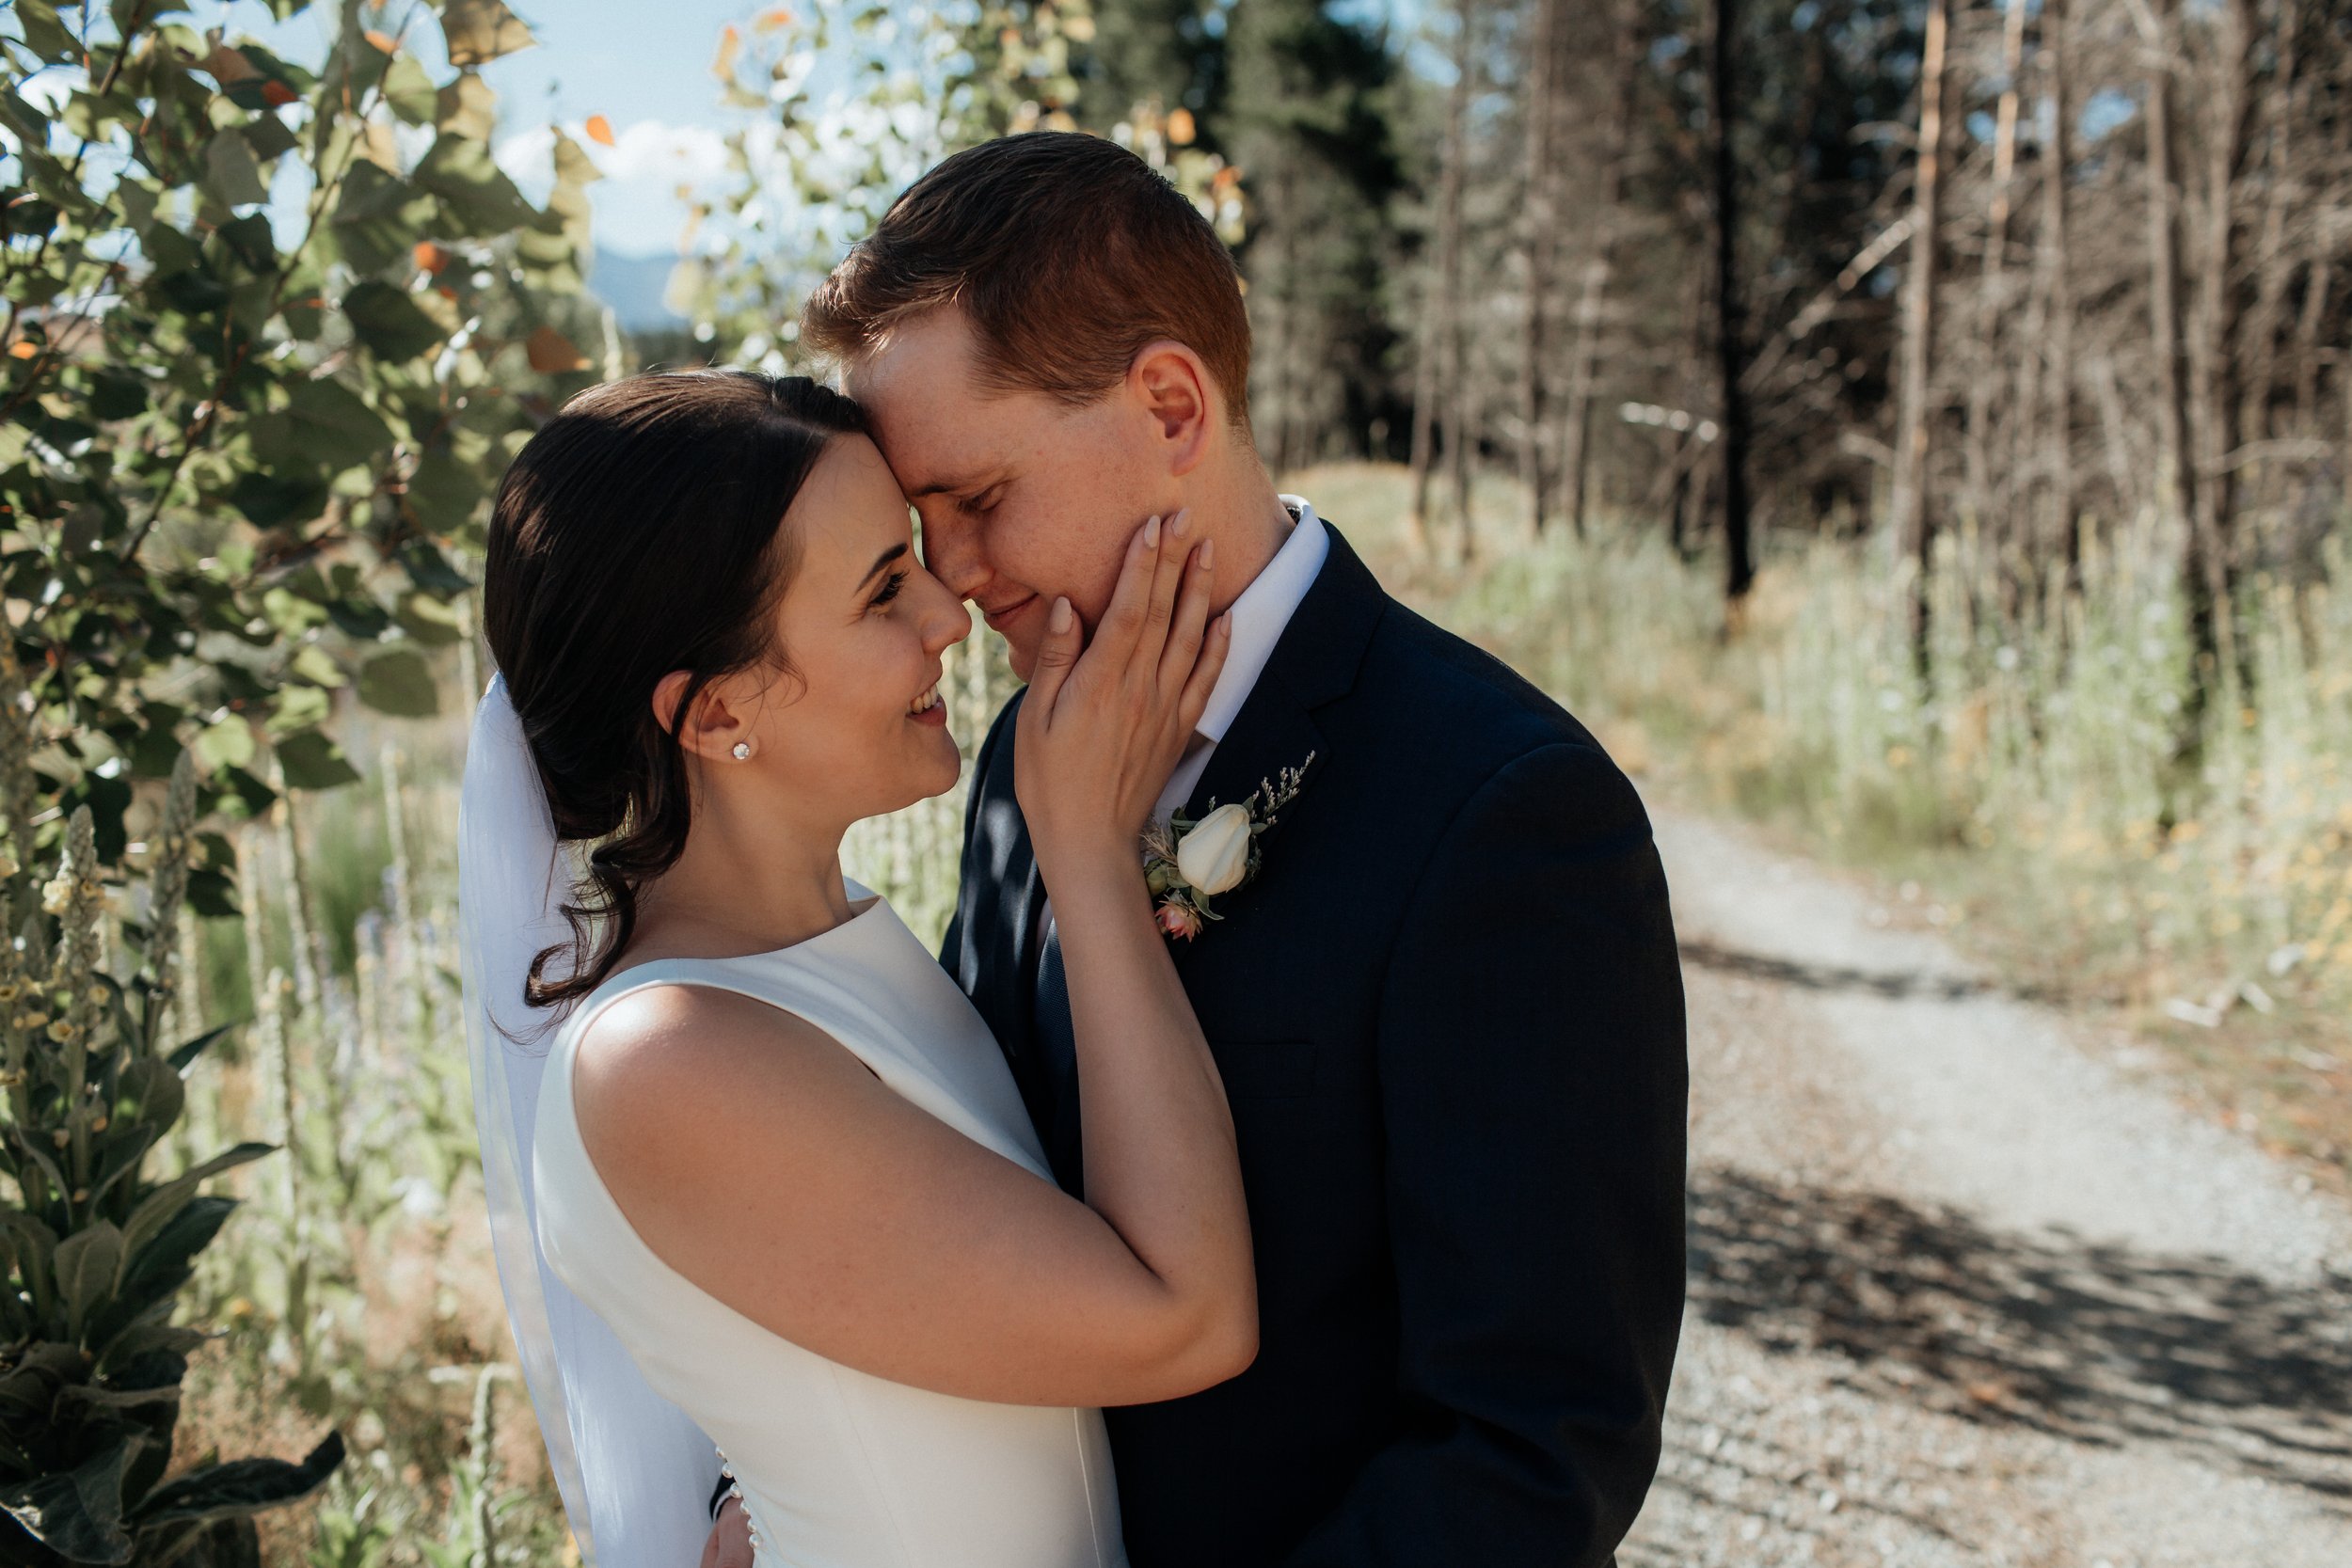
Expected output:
(1172, 386)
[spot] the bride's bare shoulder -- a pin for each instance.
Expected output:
(694, 1055)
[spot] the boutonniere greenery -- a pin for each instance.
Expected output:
(1189, 862)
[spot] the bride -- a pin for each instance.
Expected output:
(785, 1198)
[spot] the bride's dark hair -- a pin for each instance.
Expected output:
(639, 532)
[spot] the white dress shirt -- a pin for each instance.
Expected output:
(1260, 616)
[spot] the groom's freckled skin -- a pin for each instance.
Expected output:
(1023, 498)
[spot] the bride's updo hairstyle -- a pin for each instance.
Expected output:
(639, 532)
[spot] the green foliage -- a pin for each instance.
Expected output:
(243, 445)
(241, 450)
(863, 98)
(94, 1250)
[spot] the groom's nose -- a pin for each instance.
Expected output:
(952, 553)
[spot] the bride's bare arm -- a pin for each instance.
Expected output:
(765, 1163)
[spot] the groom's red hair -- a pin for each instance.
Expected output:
(1068, 253)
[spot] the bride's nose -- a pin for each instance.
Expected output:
(946, 621)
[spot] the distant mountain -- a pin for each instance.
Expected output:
(633, 286)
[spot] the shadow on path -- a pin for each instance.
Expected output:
(2087, 1342)
(1896, 985)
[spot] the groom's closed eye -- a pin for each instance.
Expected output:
(982, 501)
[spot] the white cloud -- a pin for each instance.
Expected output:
(648, 150)
(637, 207)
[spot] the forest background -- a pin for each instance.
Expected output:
(1920, 427)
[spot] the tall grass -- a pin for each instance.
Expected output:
(2032, 779)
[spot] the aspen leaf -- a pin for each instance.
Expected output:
(599, 130)
(391, 323)
(552, 353)
(482, 30)
(468, 107)
(228, 66)
(771, 20)
(399, 682)
(409, 92)
(730, 42)
(230, 173)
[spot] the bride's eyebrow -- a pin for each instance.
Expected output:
(893, 553)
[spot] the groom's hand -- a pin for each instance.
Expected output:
(730, 1542)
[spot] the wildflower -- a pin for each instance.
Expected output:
(1178, 919)
(62, 1032)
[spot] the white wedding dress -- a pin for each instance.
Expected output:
(838, 1469)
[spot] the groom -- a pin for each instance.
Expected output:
(1447, 1010)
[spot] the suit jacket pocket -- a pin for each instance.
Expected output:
(1265, 1070)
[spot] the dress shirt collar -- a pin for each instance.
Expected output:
(1263, 610)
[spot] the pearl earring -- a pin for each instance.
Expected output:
(742, 751)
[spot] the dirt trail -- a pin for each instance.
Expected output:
(1964, 1289)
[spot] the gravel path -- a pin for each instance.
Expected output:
(1965, 1289)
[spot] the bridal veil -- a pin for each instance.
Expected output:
(634, 1472)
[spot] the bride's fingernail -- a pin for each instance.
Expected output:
(1152, 533)
(1179, 523)
(1059, 622)
(1206, 555)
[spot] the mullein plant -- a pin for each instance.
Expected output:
(94, 1246)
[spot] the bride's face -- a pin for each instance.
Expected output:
(865, 628)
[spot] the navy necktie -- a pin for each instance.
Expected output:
(1057, 1067)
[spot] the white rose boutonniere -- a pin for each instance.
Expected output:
(1188, 862)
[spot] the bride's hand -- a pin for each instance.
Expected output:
(1102, 728)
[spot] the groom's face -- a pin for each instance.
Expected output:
(1023, 498)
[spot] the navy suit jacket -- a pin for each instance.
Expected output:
(1448, 1013)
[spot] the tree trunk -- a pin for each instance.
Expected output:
(2307, 347)
(1730, 314)
(2179, 487)
(1440, 366)
(2273, 270)
(1995, 510)
(1541, 245)
(1461, 446)
(2058, 293)
(2173, 382)
(1914, 531)
(2220, 317)
(1576, 432)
